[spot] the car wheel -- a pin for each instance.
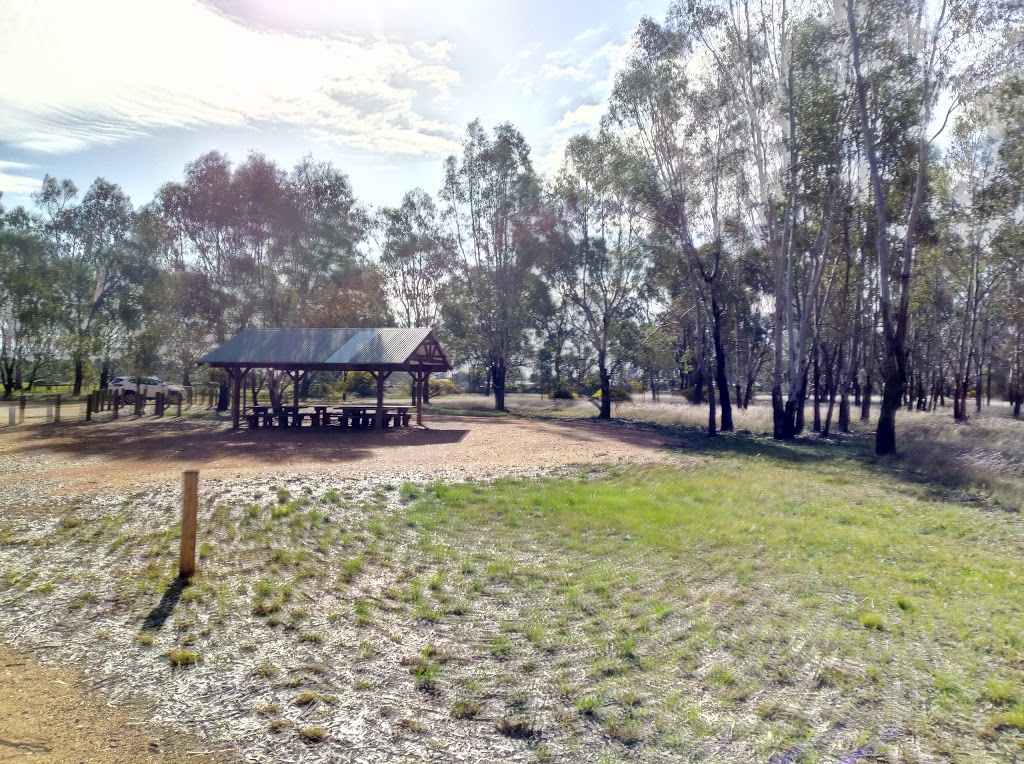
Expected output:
(129, 397)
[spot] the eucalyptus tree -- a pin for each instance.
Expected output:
(28, 304)
(102, 271)
(782, 69)
(924, 58)
(321, 228)
(416, 257)
(198, 213)
(679, 136)
(492, 198)
(599, 261)
(974, 267)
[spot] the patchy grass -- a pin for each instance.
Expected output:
(763, 568)
(756, 601)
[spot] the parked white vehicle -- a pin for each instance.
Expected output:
(150, 387)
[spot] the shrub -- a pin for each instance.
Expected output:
(562, 394)
(440, 387)
(619, 395)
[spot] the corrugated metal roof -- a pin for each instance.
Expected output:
(316, 347)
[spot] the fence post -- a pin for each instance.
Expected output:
(117, 403)
(88, 407)
(140, 403)
(12, 415)
(189, 522)
(56, 409)
(21, 409)
(158, 404)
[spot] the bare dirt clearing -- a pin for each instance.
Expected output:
(107, 456)
(45, 717)
(54, 477)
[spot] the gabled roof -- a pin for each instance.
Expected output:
(338, 349)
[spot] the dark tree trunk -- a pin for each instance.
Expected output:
(606, 388)
(497, 378)
(711, 409)
(782, 417)
(720, 363)
(749, 392)
(844, 413)
(224, 394)
(892, 393)
(698, 387)
(817, 388)
(865, 401)
(801, 404)
(78, 377)
(105, 374)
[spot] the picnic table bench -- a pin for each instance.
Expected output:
(323, 416)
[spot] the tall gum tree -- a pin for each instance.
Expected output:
(667, 123)
(493, 199)
(782, 73)
(598, 264)
(943, 53)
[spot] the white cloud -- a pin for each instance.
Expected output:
(15, 183)
(588, 115)
(560, 55)
(561, 72)
(525, 85)
(441, 50)
(121, 69)
(591, 32)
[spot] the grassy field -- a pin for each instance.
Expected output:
(749, 601)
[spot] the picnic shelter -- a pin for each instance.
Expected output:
(297, 352)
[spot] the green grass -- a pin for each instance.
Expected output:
(771, 564)
(751, 599)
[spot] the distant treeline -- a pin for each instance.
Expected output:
(820, 206)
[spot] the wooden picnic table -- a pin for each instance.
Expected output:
(323, 416)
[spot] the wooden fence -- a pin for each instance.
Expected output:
(101, 405)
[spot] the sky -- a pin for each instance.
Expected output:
(132, 90)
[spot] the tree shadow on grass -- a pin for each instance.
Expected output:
(158, 616)
(935, 482)
(807, 449)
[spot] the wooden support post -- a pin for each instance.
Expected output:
(236, 398)
(419, 399)
(56, 409)
(21, 409)
(189, 522)
(378, 419)
(161, 402)
(117, 403)
(88, 407)
(140, 400)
